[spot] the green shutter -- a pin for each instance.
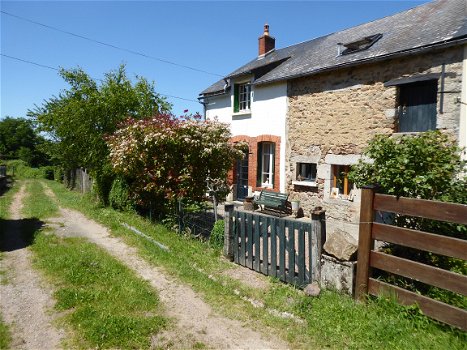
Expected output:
(236, 99)
(259, 164)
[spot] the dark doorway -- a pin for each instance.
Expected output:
(242, 177)
(417, 103)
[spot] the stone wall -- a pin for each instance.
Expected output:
(332, 116)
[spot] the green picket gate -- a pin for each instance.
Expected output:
(277, 247)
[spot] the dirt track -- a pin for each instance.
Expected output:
(26, 301)
(194, 320)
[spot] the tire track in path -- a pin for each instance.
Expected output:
(26, 302)
(195, 321)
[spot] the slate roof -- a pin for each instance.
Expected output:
(437, 22)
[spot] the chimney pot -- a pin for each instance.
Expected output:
(266, 42)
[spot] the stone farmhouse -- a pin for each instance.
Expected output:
(308, 110)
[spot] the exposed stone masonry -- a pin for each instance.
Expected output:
(332, 117)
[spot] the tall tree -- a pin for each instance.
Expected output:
(19, 140)
(80, 116)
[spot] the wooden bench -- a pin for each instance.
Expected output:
(273, 201)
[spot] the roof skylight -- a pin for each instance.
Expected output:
(359, 45)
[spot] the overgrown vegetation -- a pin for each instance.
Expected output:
(330, 321)
(119, 196)
(426, 166)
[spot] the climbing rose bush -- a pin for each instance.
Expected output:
(172, 156)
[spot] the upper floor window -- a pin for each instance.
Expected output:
(417, 106)
(242, 97)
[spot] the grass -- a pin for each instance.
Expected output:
(105, 305)
(331, 320)
(37, 204)
(5, 337)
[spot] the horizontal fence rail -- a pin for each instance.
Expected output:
(435, 210)
(450, 246)
(434, 243)
(282, 248)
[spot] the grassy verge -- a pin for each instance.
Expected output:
(5, 202)
(331, 321)
(105, 305)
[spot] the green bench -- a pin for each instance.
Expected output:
(273, 201)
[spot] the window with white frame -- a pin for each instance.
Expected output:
(242, 97)
(266, 152)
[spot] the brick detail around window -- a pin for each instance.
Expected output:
(253, 160)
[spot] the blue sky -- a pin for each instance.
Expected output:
(216, 37)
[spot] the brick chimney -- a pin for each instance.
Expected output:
(266, 42)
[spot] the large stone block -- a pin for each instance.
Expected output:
(341, 245)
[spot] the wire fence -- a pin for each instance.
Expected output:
(197, 219)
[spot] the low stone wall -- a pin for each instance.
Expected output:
(339, 275)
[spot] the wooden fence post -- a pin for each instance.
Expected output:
(365, 242)
(318, 237)
(228, 231)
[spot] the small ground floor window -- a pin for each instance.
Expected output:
(341, 185)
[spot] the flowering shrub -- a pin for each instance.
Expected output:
(171, 157)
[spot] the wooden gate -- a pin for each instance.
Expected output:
(368, 258)
(284, 248)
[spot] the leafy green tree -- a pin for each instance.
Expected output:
(19, 140)
(80, 116)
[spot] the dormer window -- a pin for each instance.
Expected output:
(359, 45)
(242, 97)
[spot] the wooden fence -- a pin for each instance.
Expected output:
(285, 248)
(78, 179)
(448, 246)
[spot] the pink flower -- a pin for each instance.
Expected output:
(185, 111)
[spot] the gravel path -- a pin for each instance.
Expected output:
(26, 302)
(195, 321)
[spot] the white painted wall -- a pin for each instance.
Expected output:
(463, 114)
(266, 116)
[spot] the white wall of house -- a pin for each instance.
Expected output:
(463, 102)
(266, 116)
